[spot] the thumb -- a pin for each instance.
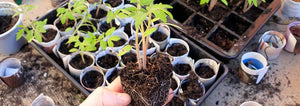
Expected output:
(105, 97)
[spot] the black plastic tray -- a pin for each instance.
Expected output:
(184, 14)
(195, 52)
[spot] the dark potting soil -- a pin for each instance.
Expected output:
(107, 61)
(86, 29)
(7, 22)
(158, 36)
(119, 42)
(102, 13)
(253, 13)
(295, 30)
(177, 49)
(217, 13)
(236, 24)
(223, 39)
(106, 26)
(163, 1)
(92, 79)
(114, 3)
(194, 4)
(78, 63)
(177, 11)
(63, 27)
(113, 75)
(97, 46)
(182, 69)
(176, 101)
(127, 29)
(49, 35)
(198, 27)
(204, 71)
(191, 89)
(148, 86)
(173, 84)
(129, 58)
(132, 43)
(64, 48)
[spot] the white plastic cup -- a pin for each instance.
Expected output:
(293, 42)
(268, 50)
(48, 46)
(107, 52)
(74, 71)
(183, 60)
(166, 31)
(213, 65)
(88, 70)
(180, 41)
(291, 8)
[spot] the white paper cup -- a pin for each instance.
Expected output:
(213, 65)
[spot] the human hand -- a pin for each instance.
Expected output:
(112, 95)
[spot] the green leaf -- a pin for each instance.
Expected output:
(133, 1)
(114, 38)
(63, 19)
(103, 44)
(73, 50)
(168, 13)
(125, 49)
(21, 26)
(68, 29)
(146, 2)
(29, 35)
(225, 2)
(110, 43)
(20, 34)
(161, 15)
(149, 31)
(173, 25)
(203, 2)
(110, 31)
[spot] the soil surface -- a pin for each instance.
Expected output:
(204, 71)
(295, 30)
(106, 26)
(253, 13)
(92, 79)
(236, 24)
(148, 86)
(102, 13)
(49, 35)
(119, 42)
(198, 27)
(182, 69)
(7, 22)
(177, 11)
(78, 63)
(64, 48)
(223, 39)
(176, 101)
(129, 58)
(217, 13)
(107, 61)
(114, 3)
(132, 43)
(86, 29)
(192, 89)
(177, 49)
(127, 29)
(63, 27)
(158, 36)
(113, 75)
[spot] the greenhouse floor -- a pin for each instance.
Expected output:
(279, 86)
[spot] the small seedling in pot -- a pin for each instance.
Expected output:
(33, 30)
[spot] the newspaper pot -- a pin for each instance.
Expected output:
(11, 72)
(186, 61)
(83, 33)
(119, 32)
(93, 7)
(184, 88)
(105, 54)
(111, 74)
(149, 51)
(207, 64)
(165, 30)
(8, 42)
(253, 67)
(62, 32)
(291, 8)
(104, 26)
(114, 8)
(293, 38)
(181, 42)
(96, 78)
(63, 56)
(48, 46)
(271, 44)
(176, 87)
(74, 70)
(125, 59)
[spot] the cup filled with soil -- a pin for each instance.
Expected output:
(293, 37)
(78, 61)
(129, 57)
(161, 36)
(182, 66)
(253, 67)
(62, 27)
(104, 26)
(115, 4)
(118, 45)
(98, 12)
(192, 90)
(49, 39)
(152, 47)
(175, 84)
(86, 27)
(207, 71)
(126, 24)
(271, 44)
(11, 72)
(91, 78)
(178, 48)
(112, 74)
(107, 60)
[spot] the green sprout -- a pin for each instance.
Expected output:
(33, 30)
